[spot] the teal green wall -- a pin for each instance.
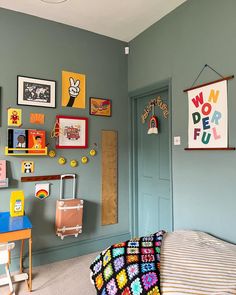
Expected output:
(35, 47)
(177, 47)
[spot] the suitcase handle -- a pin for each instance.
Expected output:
(61, 185)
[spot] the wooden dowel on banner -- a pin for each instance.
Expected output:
(43, 178)
(209, 83)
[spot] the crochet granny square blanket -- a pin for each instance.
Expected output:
(129, 268)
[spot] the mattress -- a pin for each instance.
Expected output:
(196, 263)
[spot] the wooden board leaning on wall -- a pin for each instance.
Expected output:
(109, 177)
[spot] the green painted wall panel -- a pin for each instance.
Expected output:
(177, 47)
(38, 48)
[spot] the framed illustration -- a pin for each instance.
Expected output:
(14, 117)
(27, 167)
(73, 90)
(73, 132)
(36, 92)
(100, 107)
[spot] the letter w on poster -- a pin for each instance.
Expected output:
(208, 116)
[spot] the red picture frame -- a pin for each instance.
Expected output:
(73, 132)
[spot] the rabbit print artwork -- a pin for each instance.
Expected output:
(73, 90)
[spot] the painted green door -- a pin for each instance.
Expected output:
(153, 170)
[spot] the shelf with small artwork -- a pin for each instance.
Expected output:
(25, 151)
(26, 142)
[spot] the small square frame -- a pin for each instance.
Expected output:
(73, 132)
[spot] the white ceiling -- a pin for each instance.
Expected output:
(119, 19)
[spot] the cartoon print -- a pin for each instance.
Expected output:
(14, 117)
(73, 91)
(72, 132)
(37, 142)
(28, 167)
(21, 143)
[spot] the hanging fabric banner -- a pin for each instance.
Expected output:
(208, 116)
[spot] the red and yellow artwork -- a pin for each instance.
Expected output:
(14, 117)
(100, 107)
(73, 90)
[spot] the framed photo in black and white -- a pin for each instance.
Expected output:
(36, 92)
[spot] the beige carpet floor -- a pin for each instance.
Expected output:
(68, 277)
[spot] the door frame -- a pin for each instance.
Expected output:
(133, 97)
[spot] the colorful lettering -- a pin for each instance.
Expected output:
(198, 99)
(216, 136)
(216, 117)
(206, 109)
(205, 123)
(206, 137)
(214, 95)
(196, 132)
(196, 117)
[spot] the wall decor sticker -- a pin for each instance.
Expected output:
(36, 92)
(36, 118)
(27, 167)
(42, 190)
(73, 132)
(14, 117)
(73, 90)
(100, 107)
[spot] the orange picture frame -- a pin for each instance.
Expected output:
(100, 107)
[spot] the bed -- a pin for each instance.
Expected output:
(181, 262)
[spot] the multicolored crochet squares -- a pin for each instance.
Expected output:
(129, 268)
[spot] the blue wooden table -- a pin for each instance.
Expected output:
(14, 229)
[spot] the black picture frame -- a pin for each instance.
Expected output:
(36, 92)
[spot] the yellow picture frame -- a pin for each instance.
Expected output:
(73, 90)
